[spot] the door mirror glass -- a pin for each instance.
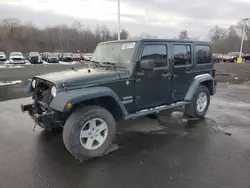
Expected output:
(147, 64)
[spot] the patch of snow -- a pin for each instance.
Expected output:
(68, 63)
(9, 66)
(4, 83)
(27, 62)
(46, 63)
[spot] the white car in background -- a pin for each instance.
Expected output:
(16, 58)
(2, 57)
(88, 56)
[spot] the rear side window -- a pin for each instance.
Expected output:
(182, 55)
(157, 52)
(203, 54)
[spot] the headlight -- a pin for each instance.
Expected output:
(33, 83)
(53, 91)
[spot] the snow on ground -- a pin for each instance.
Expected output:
(9, 66)
(68, 63)
(4, 83)
(61, 62)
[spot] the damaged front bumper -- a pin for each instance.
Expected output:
(47, 120)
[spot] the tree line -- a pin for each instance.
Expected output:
(26, 37)
(226, 40)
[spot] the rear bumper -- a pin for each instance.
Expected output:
(46, 120)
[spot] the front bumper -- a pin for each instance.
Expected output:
(47, 120)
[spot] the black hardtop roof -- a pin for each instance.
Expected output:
(158, 40)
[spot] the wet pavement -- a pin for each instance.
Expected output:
(168, 152)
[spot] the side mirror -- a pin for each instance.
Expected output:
(147, 64)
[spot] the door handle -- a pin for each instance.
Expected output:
(175, 76)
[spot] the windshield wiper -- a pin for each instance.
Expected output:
(97, 64)
(113, 65)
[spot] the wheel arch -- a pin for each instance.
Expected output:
(203, 79)
(100, 96)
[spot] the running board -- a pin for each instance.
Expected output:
(154, 110)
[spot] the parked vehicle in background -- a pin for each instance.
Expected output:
(66, 57)
(76, 57)
(16, 58)
(231, 57)
(217, 58)
(35, 58)
(82, 56)
(52, 58)
(2, 57)
(246, 57)
(132, 79)
(45, 56)
(88, 56)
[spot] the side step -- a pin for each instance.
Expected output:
(155, 110)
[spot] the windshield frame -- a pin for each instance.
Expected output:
(118, 64)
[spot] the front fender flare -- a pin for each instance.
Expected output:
(195, 84)
(80, 95)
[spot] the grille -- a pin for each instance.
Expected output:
(17, 58)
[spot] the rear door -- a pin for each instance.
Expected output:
(182, 69)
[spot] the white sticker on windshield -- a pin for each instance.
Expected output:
(128, 45)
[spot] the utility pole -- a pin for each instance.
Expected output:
(119, 21)
(243, 36)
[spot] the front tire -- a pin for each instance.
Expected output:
(89, 132)
(199, 104)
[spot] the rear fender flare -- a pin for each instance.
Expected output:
(195, 84)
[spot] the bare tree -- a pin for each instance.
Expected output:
(183, 35)
(217, 36)
(25, 37)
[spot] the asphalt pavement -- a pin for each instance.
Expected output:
(163, 152)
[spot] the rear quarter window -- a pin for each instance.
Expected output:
(203, 54)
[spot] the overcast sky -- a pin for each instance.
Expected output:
(163, 18)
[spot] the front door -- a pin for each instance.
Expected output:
(152, 87)
(183, 71)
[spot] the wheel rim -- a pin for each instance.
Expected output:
(201, 102)
(93, 134)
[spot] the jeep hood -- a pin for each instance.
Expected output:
(83, 76)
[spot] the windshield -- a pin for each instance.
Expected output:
(34, 54)
(114, 52)
(53, 55)
(67, 54)
(16, 54)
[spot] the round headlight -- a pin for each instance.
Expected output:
(33, 83)
(53, 91)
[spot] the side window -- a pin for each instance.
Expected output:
(203, 54)
(182, 55)
(157, 53)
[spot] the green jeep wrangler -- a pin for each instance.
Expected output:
(124, 80)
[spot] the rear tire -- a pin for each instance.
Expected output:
(199, 104)
(82, 133)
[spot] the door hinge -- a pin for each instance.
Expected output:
(138, 80)
(137, 98)
(140, 74)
